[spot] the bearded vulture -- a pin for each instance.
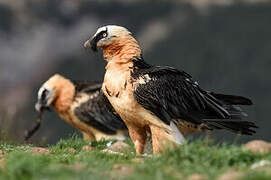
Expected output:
(160, 100)
(83, 105)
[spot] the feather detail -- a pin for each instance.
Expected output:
(173, 94)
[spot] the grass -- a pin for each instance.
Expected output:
(209, 160)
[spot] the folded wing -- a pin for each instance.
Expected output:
(173, 94)
(97, 110)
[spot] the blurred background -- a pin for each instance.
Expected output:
(224, 44)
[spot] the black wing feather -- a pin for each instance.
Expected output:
(173, 94)
(97, 111)
(86, 86)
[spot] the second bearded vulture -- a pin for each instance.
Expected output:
(83, 105)
(161, 100)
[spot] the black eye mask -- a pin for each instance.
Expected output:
(44, 95)
(97, 38)
(42, 101)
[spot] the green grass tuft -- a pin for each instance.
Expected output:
(210, 160)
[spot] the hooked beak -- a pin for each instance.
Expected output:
(92, 43)
(87, 45)
(38, 106)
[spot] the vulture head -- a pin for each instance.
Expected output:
(107, 36)
(57, 91)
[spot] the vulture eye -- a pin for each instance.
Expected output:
(104, 35)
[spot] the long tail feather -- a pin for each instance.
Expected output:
(230, 102)
(232, 99)
(236, 126)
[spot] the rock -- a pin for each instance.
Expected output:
(39, 150)
(118, 147)
(87, 148)
(71, 150)
(260, 164)
(258, 146)
(197, 177)
(230, 175)
(145, 155)
(112, 152)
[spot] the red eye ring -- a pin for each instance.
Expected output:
(46, 92)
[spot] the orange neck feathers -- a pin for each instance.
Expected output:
(64, 94)
(121, 51)
(119, 57)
